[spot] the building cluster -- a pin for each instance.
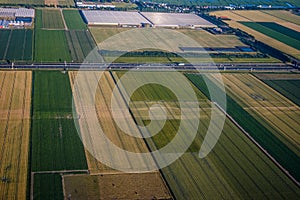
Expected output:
(16, 17)
(145, 19)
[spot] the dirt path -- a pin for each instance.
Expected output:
(62, 16)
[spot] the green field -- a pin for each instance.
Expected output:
(47, 187)
(16, 45)
(51, 46)
(23, 2)
(55, 141)
(235, 169)
(74, 20)
(290, 38)
(52, 19)
(255, 127)
(287, 31)
(80, 43)
(289, 88)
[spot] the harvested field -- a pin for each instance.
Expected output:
(15, 101)
(113, 132)
(204, 38)
(116, 186)
(220, 174)
(284, 16)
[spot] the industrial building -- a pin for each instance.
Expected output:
(16, 17)
(177, 20)
(145, 19)
(114, 18)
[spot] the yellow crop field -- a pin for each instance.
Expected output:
(279, 113)
(15, 100)
(113, 132)
(266, 39)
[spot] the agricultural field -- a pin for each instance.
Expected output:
(48, 186)
(52, 19)
(273, 116)
(64, 3)
(276, 39)
(15, 101)
(111, 186)
(73, 20)
(284, 35)
(284, 15)
(286, 84)
(203, 38)
(27, 2)
(80, 43)
(53, 130)
(113, 132)
(51, 46)
(228, 2)
(16, 45)
(235, 168)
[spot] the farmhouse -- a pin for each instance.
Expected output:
(114, 18)
(11, 17)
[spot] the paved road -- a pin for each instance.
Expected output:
(187, 67)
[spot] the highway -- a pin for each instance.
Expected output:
(158, 66)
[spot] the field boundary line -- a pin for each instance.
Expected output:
(258, 145)
(60, 171)
(7, 45)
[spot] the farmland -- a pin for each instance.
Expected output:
(73, 20)
(228, 2)
(219, 175)
(276, 33)
(15, 98)
(16, 45)
(28, 2)
(286, 84)
(113, 132)
(54, 133)
(109, 186)
(203, 39)
(80, 43)
(276, 39)
(52, 19)
(51, 46)
(47, 186)
(258, 104)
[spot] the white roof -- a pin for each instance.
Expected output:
(24, 12)
(114, 17)
(176, 19)
(20, 12)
